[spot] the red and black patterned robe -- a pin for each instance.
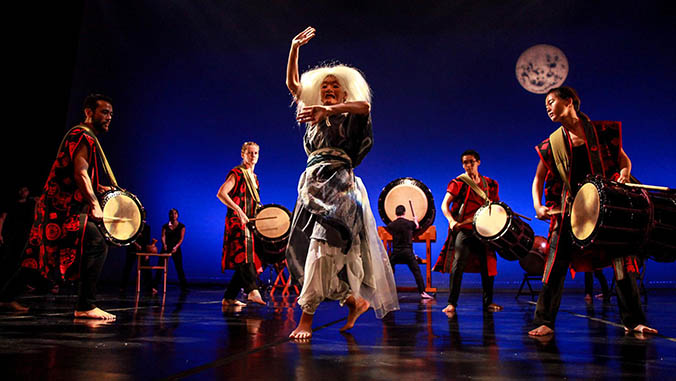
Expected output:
(55, 242)
(603, 142)
(238, 244)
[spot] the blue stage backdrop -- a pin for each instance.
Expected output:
(192, 81)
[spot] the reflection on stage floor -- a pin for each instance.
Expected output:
(189, 335)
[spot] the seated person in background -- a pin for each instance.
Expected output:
(402, 247)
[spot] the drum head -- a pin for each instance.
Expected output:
(585, 212)
(273, 221)
(490, 220)
(121, 216)
(407, 191)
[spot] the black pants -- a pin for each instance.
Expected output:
(244, 277)
(130, 260)
(466, 244)
(406, 257)
(628, 298)
(93, 257)
(589, 283)
(177, 257)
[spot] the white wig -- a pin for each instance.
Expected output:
(350, 79)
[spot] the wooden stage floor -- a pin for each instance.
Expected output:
(191, 337)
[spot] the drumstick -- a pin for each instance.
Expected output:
(119, 219)
(262, 218)
(522, 216)
(410, 204)
(551, 212)
(655, 187)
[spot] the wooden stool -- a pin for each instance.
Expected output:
(428, 236)
(526, 282)
(162, 257)
(282, 281)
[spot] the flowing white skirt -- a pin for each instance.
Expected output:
(369, 274)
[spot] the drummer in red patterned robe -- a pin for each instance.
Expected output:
(65, 243)
(463, 251)
(578, 148)
(239, 193)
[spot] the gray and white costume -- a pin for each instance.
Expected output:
(334, 250)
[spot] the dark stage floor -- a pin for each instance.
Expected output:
(192, 337)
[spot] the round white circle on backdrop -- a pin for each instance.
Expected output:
(541, 68)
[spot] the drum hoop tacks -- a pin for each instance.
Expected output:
(104, 199)
(277, 239)
(506, 227)
(424, 221)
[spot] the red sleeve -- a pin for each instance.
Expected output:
(495, 196)
(73, 141)
(454, 187)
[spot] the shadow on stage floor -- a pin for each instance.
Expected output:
(191, 336)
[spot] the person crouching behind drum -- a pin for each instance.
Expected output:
(463, 251)
(582, 148)
(402, 247)
(65, 242)
(239, 193)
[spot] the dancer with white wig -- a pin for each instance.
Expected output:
(334, 251)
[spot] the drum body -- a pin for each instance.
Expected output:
(617, 216)
(402, 191)
(496, 224)
(271, 230)
(534, 262)
(661, 240)
(123, 217)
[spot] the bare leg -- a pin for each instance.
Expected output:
(94, 313)
(356, 307)
(542, 330)
(255, 296)
(304, 329)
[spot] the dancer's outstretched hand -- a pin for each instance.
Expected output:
(303, 37)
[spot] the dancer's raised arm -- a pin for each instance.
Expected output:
(292, 77)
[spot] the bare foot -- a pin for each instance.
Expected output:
(542, 330)
(356, 307)
(13, 306)
(255, 296)
(641, 329)
(304, 329)
(232, 302)
(494, 307)
(95, 313)
(449, 310)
